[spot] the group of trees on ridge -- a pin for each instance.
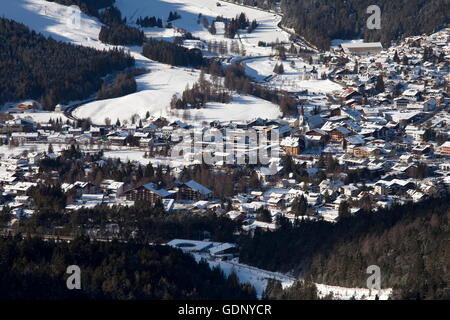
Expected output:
(176, 55)
(62, 72)
(149, 22)
(241, 22)
(115, 30)
(124, 84)
(202, 92)
(320, 21)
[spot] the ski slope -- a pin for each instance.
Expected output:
(189, 10)
(258, 278)
(156, 88)
(241, 108)
(52, 19)
(261, 69)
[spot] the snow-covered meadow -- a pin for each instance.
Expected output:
(156, 88)
(258, 278)
(297, 76)
(189, 10)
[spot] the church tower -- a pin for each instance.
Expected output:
(302, 120)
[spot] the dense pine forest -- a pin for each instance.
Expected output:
(300, 290)
(324, 20)
(34, 269)
(409, 243)
(201, 93)
(320, 21)
(121, 35)
(63, 72)
(149, 22)
(123, 85)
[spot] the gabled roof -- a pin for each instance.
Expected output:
(160, 192)
(342, 130)
(356, 139)
(198, 187)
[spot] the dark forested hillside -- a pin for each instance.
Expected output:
(320, 21)
(36, 270)
(36, 67)
(409, 243)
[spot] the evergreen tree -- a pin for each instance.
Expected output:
(212, 28)
(396, 57)
(300, 206)
(379, 86)
(405, 60)
(344, 210)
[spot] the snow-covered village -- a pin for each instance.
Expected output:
(272, 131)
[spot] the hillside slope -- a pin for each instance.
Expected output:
(156, 88)
(63, 72)
(324, 20)
(35, 269)
(320, 21)
(409, 243)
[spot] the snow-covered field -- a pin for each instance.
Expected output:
(42, 116)
(189, 10)
(240, 108)
(259, 279)
(52, 19)
(156, 88)
(8, 152)
(262, 69)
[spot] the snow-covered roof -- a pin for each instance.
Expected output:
(160, 192)
(289, 142)
(198, 187)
